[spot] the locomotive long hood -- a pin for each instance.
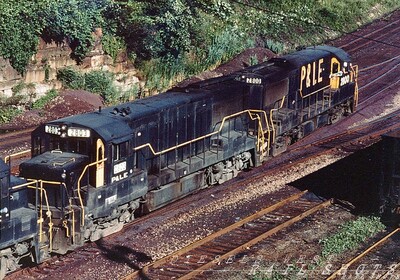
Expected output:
(52, 165)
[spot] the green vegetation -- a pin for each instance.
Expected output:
(170, 29)
(100, 82)
(169, 40)
(20, 29)
(350, 235)
(23, 22)
(113, 45)
(7, 113)
(42, 101)
(9, 107)
(18, 102)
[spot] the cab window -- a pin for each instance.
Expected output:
(120, 151)
(69, 145)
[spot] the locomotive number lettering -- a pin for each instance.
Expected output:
(111, 199)
(310, 74)
(254, 81)
(52, 129)
(78, 132)
(120, 167)
(345, 80)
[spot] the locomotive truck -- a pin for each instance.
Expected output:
(96, 171)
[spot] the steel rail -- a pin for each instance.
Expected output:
(143, 272)
(257, 239)
(360, 256)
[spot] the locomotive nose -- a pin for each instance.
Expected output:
(53, 165)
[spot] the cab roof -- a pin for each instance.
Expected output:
(112, 123)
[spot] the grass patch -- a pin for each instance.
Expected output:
(99, 82)
(42, 101)
(351, 235)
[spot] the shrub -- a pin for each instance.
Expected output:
(20, 28)
(100, 82)
(7, 113)
(74, 20)
(112, 45)
(42, 101)
(70, 78)
(276, 47)
(9, 107)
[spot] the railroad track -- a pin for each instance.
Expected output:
(12, 143)
(353, 139)
(195, 259)
(361, 42)
(10, 138)
(367, 265)
(90, 251)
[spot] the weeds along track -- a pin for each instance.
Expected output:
(195, 259)
(374, 262)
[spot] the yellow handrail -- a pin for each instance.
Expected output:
(272, 121)
(79, 188)
(40, 220)
(48, 213)
(7, 158)
(43, 193)
(250, 112)
(354, 72)
(260, 136)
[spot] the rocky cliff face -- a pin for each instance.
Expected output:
(43, 66)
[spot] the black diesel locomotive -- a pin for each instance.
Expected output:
(94, 172)
(18, 221)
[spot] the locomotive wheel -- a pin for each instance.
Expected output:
(228, 169)
(96, 229)
(8, 264)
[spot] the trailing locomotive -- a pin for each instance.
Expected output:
(96, 171)
(18, 221)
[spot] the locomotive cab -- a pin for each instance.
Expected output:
(86, 176)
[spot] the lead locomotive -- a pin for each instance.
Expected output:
(96, 171)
